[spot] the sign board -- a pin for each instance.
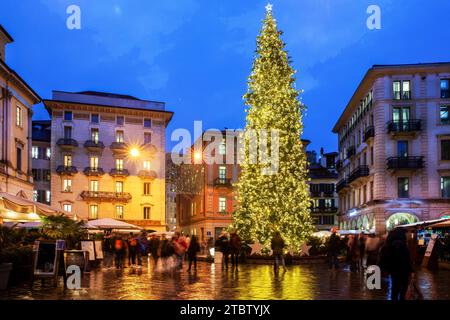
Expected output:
(429, 250)
(90, 248)
(98, 250)
(76, 258)
(45, 259)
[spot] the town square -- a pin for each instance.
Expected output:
(186, 150)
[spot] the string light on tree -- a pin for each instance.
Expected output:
(279, 202)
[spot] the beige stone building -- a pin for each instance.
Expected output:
(394, 147)
(16, 101)
(108, 157)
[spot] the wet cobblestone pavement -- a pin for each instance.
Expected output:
(300, 282)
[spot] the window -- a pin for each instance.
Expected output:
(222, 172)
(93, 163)
(403, 187)
(67, 185)
(329, 203)
(67, 207)
(19, 159)
(94, 135)
(67, 132)
(401, 90)
(67, 115)
(93, 211)
(94, 186)
(120, 120)
(48, 153)
(46, 175)
(18, 116)
(147, 165)
(222, 148)
(35, 152)
(147, 211)
(147, 188)
(47, 196)
(445, 149)
(67, 160)
(147, 138)
(222, 204)
(119, 164)
(147, 123)
(396, 90)
(445, 88)
(327, 219)
(444, 115)
(402, 148)
(95, 118)
(371, 156)
(35, 174)
(119, 212)
(406, 90)
(119, 186)
(119, 136)
(35, 195)
(445, 187)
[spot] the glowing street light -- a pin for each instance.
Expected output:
(134, 152)
(197, 156)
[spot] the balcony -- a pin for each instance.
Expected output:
(119, 173)
(341, 185)
(351, 151)
(90, 171)
(105, 196)
(409, 163)
(149, 148)
(94, 146)
(67, 144)
(324, 210)
(66, 170)
(147, 174)
(118, 147)
(408, 126)
(361, 171)
(222, 182)
(369, 133)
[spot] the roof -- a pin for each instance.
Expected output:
(316, 171)
(8, 36)
(41, 130)
(109, 95)
(381, 69)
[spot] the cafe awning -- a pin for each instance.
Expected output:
(443, 224)
(108, 223)
(18, 208)
(422, 224)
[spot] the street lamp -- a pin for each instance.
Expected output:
(134, 152)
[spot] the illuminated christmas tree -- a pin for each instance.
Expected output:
(277, 202)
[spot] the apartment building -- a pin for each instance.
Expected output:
(16, 101)
(41, 155)
(322, 185)
(108, 157)
(206, 200)
(394, 147)
(171, 194)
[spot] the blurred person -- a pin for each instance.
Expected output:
(235, 248)
(193, 249)
(334, 247)
(277, 245)
(223, 245)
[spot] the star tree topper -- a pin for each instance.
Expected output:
(269, 7)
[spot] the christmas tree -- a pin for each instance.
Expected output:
(274, 202)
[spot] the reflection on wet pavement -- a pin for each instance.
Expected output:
(301, 282)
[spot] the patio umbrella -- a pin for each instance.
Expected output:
(108, 223)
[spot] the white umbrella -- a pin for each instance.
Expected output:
(323, 233)
(108, 223)
(30, 225)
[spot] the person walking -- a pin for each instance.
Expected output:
(223, 245)
(395, 259)
(235, 248)
(354, 253)
(180, 246)
(362, 250)
(133, 244)
(142, 248)
(277, 245)
(154, 248)
(334, 246)
(119, 251)
(193, 249)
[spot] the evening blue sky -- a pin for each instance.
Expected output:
(196, 55)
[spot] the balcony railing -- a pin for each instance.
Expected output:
(324, 210)
(341, 185)
(147, 174)
(69, 170)
(119, 173)
(106, 196)
(67, 143)
(404, 126)
(405, 163)
(118, 146)
(90, 171)
(369, 133)
(93, 145)
(361, 171)
(351, 151)
(405, 95)
(222, 182)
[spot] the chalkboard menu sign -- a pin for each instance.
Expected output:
(98, 250)
(46, 259)
(76, 257)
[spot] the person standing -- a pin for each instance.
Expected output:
(334, 246)
(193, 249)
(154, 248)
(396, 260)
(223, 245)
(142, 248)
(362, 250)
(180, 246)
(133, 243)
(235, 246)
(119, 251)
(277, 245)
